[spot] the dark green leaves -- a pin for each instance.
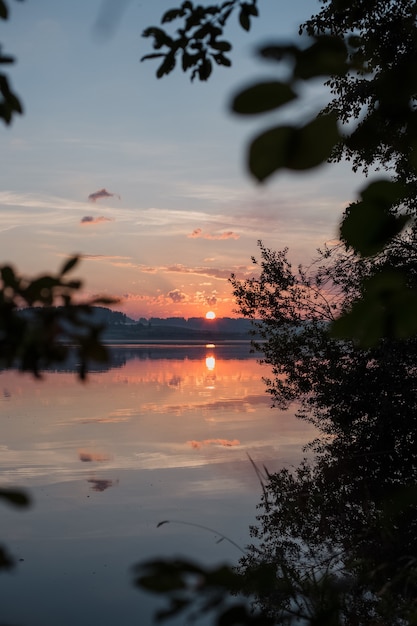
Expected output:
(69, 265)
(9, 102)
(262, 97)
(369, 225)
(293, 148)
(189, 586)
(326, 56)
(246, 12)
(387, 308)
(199, 42)
(39, 321)
(4, 13)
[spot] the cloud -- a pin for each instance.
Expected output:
(89, 219)
(227, 443)
(198, 234)
(104, 420)
(177, 296)
(240, 271)
(102, 193)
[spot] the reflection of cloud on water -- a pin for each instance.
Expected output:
(227, 443)
(236, 405)
(101, 484)
(103, 420)
(89, 457)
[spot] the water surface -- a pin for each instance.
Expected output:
(163, 432)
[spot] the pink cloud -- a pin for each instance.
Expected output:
(102, 193)
(198, 234)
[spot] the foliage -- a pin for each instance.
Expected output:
(195, 590)
(338, 533)
(35, 332)
(382, 95)
(197, 42)
(9, 102)
(365, 53)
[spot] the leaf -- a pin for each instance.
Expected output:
(369, 226)
(326, 57)
(387, 309)
(384, 191)
(313, 144)
(154, 55)
(221, 46)
(222, 60)
(268, 151)
(160, 37)
(262, 97)
(293, 148)
(244, 19)
(205, 69)
(166, 66)
(4, 13)
(172, 15)
(69, 265)
(15, 497)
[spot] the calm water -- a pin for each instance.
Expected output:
(162, 434)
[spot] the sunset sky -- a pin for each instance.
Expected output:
(180, 212)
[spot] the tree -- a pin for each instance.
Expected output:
(335, 541)
(339, 534)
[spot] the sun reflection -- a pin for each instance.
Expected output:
(210, 363)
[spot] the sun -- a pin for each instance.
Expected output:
(210, 315)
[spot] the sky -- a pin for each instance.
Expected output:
(146, 178)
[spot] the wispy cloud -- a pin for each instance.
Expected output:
(90, 219)
(199, 234)
(102, 193)
(221, 274)
(104, 257)
(227, 443)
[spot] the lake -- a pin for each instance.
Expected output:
(162, 433)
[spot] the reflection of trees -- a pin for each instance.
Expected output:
(119, 356)
(341, 533)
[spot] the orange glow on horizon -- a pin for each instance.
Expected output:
(210, 315)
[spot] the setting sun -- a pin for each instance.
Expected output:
(210, 315)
